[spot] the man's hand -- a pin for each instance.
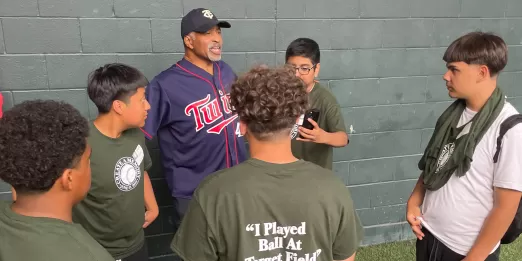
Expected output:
(412, 214)
(150, 216)
(316, 134)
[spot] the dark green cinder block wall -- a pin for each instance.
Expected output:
(381, 59)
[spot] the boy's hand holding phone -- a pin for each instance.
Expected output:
(316, 134)
(310, 130)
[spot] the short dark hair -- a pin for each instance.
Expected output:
(39, 139)
(479, 48)
(269, 100)
(304, 47)
(114, 81)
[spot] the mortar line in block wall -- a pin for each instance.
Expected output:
(387, 224)
(113, 17)
(282, 51)
(393, 205)
(382, 182)
(387, 157)
(3, 36)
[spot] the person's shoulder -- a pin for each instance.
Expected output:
(166, 76)
(224, 177)
(325, 94)
(333, 190)
(134, 133)
(324, 176)
(239, 176)
(94, 133)
(4, 208)
(91, 249)
(507, 111)
(75, 242)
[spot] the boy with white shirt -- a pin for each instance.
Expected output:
(464, 202)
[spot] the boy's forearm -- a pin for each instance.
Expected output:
(417, 196)
(505, 207)
(150, 198)
(337, 139)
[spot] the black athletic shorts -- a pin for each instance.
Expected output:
(431, 249)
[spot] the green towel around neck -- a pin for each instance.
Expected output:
(445, 154)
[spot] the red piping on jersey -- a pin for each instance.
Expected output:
(222, 88)
(215, 93)
(146, 133)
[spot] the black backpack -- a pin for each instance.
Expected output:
(515, 229)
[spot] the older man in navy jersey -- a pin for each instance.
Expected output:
(190, 112)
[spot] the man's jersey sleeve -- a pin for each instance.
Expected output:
(160, 108)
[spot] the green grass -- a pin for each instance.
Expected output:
(405, 251)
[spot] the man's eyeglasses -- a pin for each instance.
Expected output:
(304, 70)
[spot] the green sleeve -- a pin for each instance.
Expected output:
(194, 240)
(350, 232)
(147, 161)
(334, 117)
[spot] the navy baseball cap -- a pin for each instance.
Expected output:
(200, 20)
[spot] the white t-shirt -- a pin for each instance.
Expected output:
(455, 213)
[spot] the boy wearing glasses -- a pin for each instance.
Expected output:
(315, 145)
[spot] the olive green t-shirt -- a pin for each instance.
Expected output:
(45, 239)
(330, 120)
(258, 210)
(113, 211)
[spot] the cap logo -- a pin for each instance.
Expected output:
(207, 14)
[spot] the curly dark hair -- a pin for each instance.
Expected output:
(269, 100)
(39, 139)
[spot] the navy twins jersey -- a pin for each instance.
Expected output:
(191, 115)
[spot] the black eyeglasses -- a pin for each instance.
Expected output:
(304, 70)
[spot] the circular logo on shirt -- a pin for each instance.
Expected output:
(127, 174)
(447, 151)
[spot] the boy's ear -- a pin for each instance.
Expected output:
(242, 128)
(118, 106)
(66, 180)
(484, 73)
(317, 69)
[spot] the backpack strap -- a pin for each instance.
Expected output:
(504, 127)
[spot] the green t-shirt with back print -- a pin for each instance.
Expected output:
(330, 120)
(113, 212)
(45, 239)
(263, 211)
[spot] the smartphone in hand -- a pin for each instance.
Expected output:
(310, 114)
